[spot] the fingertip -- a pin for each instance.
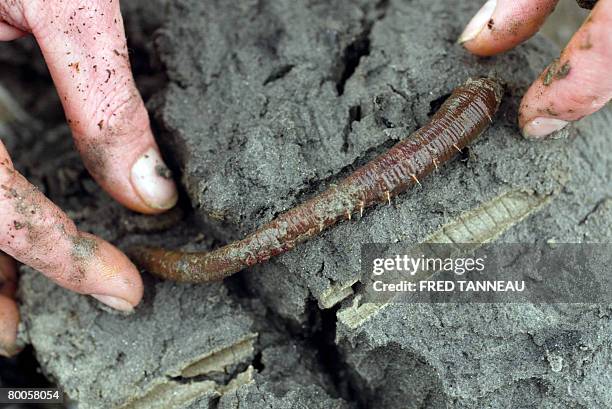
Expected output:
(9, 321)
(574, 85)
(10, 33)
(541, 123)
(114, 302)
(542, 127)
(112, 277)
(503, 24)
(477, 23)
(8, 270)
(9, 312)
(130, 168)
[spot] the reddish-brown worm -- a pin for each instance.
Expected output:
(462, 117)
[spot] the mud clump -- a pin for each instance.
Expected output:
(556, 71)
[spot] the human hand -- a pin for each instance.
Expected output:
(84, 45)
(575, 85)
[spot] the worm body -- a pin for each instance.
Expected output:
(464, 116)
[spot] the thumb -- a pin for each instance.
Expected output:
(84, 45)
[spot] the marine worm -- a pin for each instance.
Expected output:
(462, 117)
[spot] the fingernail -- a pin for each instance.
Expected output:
(540, 127)
(478, 22)
(114, 302)
(153, 181)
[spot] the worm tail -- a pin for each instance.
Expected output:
(184, 266)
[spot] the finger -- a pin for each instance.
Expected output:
(503, 24)
(36, 232)
(84, 45)
(9, 313)
(9, 322)
(575, 85)
(9, 33)
(8, 275)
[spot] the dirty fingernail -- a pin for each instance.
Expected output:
(478, 22)
(541, 127)
(153, 181)
(114, 302)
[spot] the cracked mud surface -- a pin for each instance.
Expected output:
(290, 138)
(266, 104)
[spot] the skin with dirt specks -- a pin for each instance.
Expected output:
(463, 117)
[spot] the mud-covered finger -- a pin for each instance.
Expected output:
(85, 48)
(576, 84)
(36, 232)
